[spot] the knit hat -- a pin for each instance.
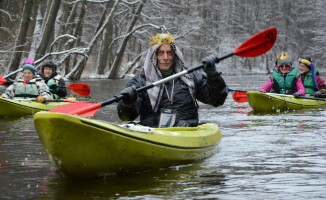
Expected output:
(29, 67)
(281, 62)
(283, 58)
(306, 61)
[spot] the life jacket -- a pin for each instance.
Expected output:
(26, 90)
(56, 80)
(285, 83)
(309, 84)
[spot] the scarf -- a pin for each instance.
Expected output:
(153, 74)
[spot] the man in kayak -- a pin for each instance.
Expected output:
(173, 103)
(309, 74)
(285, 78)
(54, 80)
(28, 86)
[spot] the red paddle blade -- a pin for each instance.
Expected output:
(2, 80)
(258, 44)
(80, 88)
(81, 109)
(240, 97)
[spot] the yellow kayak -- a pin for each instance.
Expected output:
(80, 147)
(271, 102)
(17, 108)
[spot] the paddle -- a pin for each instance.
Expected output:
(79, 88)
(5, 81)
(254, 46)
(56, 100)
(239, 96)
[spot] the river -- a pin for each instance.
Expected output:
(269, 156)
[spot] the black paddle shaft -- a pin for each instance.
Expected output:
(165, 80)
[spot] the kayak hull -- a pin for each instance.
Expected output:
(80, 147)
(18, 108)
(269, 102)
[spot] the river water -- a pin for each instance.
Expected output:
(269, 156)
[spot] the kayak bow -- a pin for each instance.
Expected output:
(80, 147)
(271, 102)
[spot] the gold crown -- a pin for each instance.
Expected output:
(283, 56)
(162, 38)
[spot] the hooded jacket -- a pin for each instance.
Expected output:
(186, 90)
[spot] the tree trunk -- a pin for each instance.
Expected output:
(31, 27)
(105, 52)
(67, 18)
(48, 29)
(117, 60)
(107, 39)
(79, 30)
(76, 72)
(20, 43)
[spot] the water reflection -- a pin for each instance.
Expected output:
(261, 156)
(162, 182)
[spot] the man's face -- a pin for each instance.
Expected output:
(164, 57)
(47, 71)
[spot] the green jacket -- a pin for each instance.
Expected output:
(308, 82)
(285, 83)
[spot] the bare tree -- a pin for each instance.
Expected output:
(117, 60)
(76, 72)
(105, 52)
(21, 39)
(48, 31)
(82, 39)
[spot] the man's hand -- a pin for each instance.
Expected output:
(130, 95)
(209, 67)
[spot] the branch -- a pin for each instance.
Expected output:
(130, 64)
(61, 36)
(136, 28)
(6, 13)
(81, 51)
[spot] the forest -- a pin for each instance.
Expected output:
(105, 38)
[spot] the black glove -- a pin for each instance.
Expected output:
(297, 94)
(209, 66)
(130, 95)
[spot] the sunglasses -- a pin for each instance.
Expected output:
(284, 66)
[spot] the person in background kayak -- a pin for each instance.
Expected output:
(28, 86)
(285, 78)
(54, 81)
(312, 82)
(173, 103)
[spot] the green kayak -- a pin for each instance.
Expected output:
(80, 147)
(271, 102)
(18, 108)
